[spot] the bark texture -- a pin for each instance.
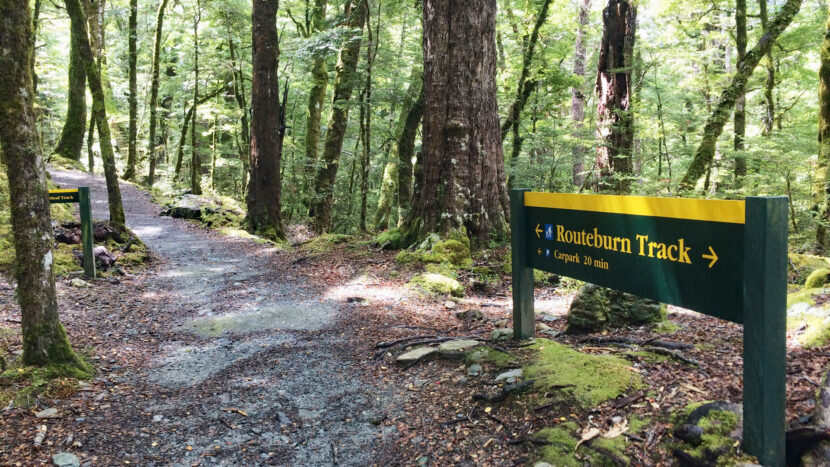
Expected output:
(263, 199)
(152, 142)
(577, 96)
(99, 111)
(459, 178)
(195, 161)
(74, 128)
(723, 109)
(316, 97)
(615, 126)
(44, 338)
(132, 132)
(823, 191)
(321, 205)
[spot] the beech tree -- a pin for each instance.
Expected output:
(132, 55)
(44, 338)
(723, 109)
(72, 136)
(99, 110)
(459, 179)
(316, 98)
(824, 142)
(152, 143)
(264, 216)
(577, 96)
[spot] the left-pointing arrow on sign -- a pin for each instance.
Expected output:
(539, 230)
(712, 256)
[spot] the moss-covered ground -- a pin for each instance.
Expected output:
(565, 436)
(24, 385)
(586, 380)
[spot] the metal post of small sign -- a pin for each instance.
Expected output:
(764, 310)
(80, 196)
(523, 315)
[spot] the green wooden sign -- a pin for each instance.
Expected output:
(726, 259)
(81, 196)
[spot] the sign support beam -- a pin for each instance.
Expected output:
(764, 310)
(524, 323)
(86, 231)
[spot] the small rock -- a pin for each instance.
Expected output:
(502, 323)
(474, 370)
(283, 418)
(542, 327)
(542, 464)
(65, 459)
(132, 332)
(415, 354)
(158, 418)
(460, 344)
(502, 334)
(449, 304)
(470, 315)
(100, 396)
(79, 283)
(509, 376)
(423, 460)
(256, 429)
(47, 413)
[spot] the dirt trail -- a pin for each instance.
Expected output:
(249, 368)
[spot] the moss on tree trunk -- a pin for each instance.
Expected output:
(132, 135)
(823, 195)
(72, 136)
(723, 109)
(79, 30)
(44, 338)
(152, 143)
(316, 97)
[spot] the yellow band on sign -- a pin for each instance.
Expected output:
(733, 212)
(58, 192)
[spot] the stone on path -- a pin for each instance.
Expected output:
(474, 370)
(415, 354)
(65, 459)
(47, 413)
(460, 344)
(500, 334)
(79, 283)
(509, 376)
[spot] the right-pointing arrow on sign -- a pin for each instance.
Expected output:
(712, 256)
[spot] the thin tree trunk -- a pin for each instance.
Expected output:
(239, 94)
(316, 97)
(769, 87)
(132, 54)
(152, 145)
(373, 43)
(99, 110)
(321, 205)
(213, 151)
(740, 102)
(823, 197)
(391, 173)
(459, 179)
(195, 162)
(72, 136)
(577, 96)
(263, 200)
(185, 125)
(406, 153)
(90, 138)
(44, 338)
(615, 126)
(35, 31)
(716, 121)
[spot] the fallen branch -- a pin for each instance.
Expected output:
(539, 441)
(673, 354)
(654, 342)
(619, 403)
(385, 345)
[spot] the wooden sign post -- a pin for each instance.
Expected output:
(81, 196)
(726, 259)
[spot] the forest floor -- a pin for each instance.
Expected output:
(228, 351)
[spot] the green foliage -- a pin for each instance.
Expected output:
(325, 243)
(800, 266)
(437, 284)
(817, 278)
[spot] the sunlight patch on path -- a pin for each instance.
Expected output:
(294, 316)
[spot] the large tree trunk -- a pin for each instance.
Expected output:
(740, 103)
(316, 97)
(129, 173)
(72, 136)
(577, 96)
(402, 148)
(44, 338)
(99, 110)
(822, 190)
(152, 143)
(321, 205)
(615, 126)
(263, 199)
(459, 178)
(714, 125)
(195, 161)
